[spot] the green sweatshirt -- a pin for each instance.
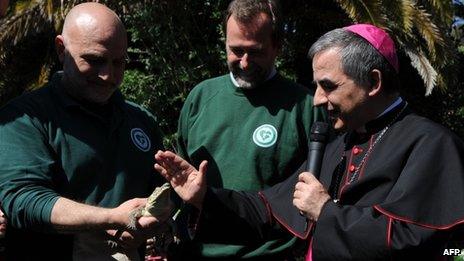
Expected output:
(52, 146)
(251, 138)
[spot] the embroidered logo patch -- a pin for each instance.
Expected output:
(140, 139)
(265, 136)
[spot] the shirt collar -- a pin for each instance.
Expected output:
(391, 107)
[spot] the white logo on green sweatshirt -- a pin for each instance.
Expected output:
(265, 135)
(140, 139)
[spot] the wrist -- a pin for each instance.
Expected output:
(316, 216)
(112, 218)
(198, 201)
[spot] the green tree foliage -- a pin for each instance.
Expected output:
(419, 26)
(176, 44)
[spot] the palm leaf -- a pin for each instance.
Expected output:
(423, 66)
(444, 9)
(428, 30)
(359, 10)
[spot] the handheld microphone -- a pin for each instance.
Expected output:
(318, 139)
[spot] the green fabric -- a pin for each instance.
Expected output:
(218, 122)
(51, 146)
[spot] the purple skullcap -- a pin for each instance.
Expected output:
(379, 39)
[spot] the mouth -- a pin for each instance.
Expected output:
(102, 85)
(246, 75)
(333, 116)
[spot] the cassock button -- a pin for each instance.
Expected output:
(357, 150)
(352, 168)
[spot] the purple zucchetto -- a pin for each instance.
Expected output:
(378, 38)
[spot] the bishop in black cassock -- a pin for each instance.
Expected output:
(391, 185)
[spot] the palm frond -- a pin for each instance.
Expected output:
(407, 11)
(423, 66)
(444, 9)
(428, 30)
(366, 11)
(399, 16)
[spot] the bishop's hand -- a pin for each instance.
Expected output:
(188, 182)
(309, 196)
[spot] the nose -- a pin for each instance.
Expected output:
(244, 62)
(106, 73)
(320, 97)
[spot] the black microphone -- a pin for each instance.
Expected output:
(318, 139)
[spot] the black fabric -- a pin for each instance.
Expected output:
(252, 219)
(407, 199)
(280, 198)
(405, 202)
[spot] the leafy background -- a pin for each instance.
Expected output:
(175, 44)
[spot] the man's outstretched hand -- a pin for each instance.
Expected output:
(188, 182)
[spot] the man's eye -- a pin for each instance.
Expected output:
(255, 53)
(95, 61)
(238, 52)
(328, 86)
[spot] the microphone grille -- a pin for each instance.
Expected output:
(319, 131)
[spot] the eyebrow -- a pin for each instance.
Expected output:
(324, 81)
(92, 55)
(240, 46)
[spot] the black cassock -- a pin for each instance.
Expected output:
(400, 196)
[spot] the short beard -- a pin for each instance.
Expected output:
(244, 84)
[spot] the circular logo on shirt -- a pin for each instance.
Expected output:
(265, 136)
(140, 139)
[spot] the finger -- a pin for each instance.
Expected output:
(112, 232)
(139, 202)
(164, 158)
(127, 241)
(148, 222)
(172, 166)
(160, 156)
(306, 177)
(162, 171)
(202, 172)
(301, 186)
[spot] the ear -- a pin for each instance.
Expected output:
(59, 47)
(376, 84)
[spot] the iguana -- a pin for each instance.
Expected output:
(158, 205)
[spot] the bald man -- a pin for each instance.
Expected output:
(76, 157)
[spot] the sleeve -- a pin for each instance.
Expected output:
(361, 233)
(183, 130)
(27, 165)
(234, 218)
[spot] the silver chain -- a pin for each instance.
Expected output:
(371, 147)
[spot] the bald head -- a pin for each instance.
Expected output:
(92, 48)
(91, 20)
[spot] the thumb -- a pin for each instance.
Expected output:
(306, 177)
(202, 172)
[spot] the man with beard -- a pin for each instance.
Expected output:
(252, 125)
(390, 186)
(75, 157)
